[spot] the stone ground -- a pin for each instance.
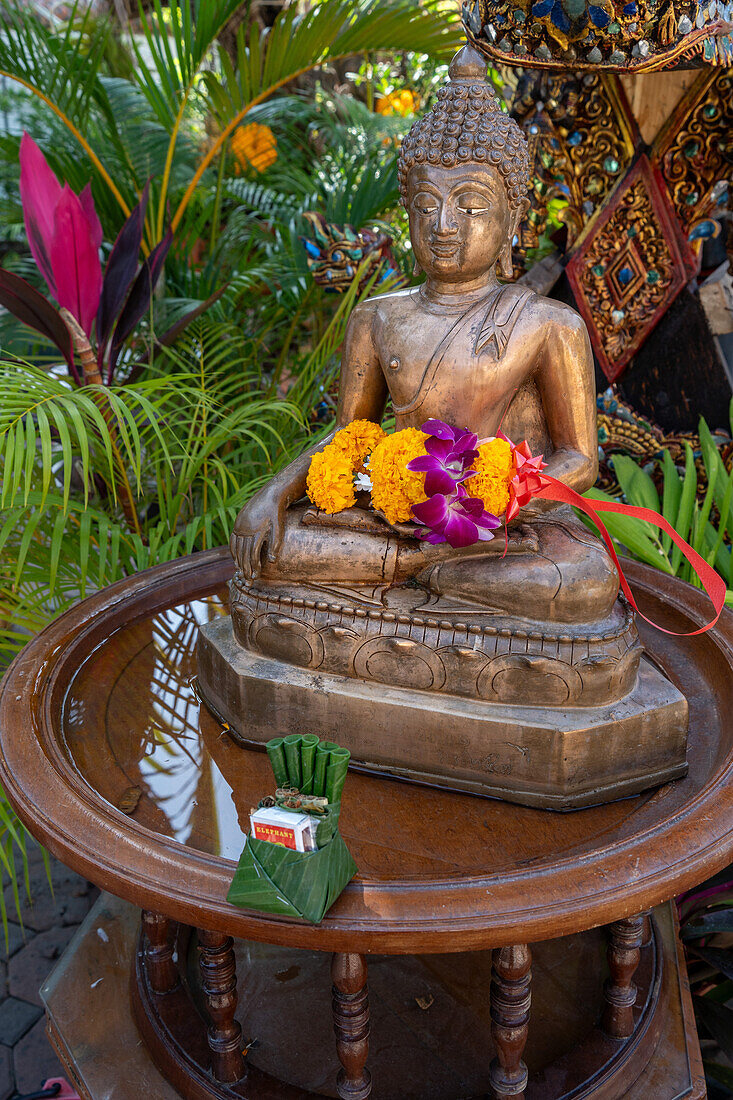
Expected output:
(26, 1056)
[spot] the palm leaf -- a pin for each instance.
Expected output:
(298, 43)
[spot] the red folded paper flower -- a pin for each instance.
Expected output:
(527, 480)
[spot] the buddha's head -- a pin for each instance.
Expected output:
(464, 173)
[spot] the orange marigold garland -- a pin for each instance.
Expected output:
(330, 481)
(455, 488)
(495, 469)
(395, 489)
(361, 437)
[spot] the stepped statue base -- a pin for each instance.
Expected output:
(428, 691)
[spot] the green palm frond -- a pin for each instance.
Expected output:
(56, 551)
(63, 62)
(178, 41)
(90, 430)
(177, 56)
(298, 43)
(264, 201)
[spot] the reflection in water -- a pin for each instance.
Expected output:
(179, 776)
(132, 721)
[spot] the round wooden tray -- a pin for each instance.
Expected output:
(110, 760)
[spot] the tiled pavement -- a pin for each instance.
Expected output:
(26, 1057)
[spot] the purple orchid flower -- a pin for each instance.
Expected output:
(449, 457)
(458, 519)
(446, 464)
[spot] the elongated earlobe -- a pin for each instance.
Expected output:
(416, 269)
(506, 267)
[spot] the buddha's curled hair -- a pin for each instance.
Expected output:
(467, 126)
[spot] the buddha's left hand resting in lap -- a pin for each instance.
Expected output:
(464, 348)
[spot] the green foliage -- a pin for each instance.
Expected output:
(706, 525)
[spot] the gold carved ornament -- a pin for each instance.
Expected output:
(628, 270)
(583, 138)
(694, 151)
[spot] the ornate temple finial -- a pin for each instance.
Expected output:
(467, 125)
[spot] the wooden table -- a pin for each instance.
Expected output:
(110, 762)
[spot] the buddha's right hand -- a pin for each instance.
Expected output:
(258, 532)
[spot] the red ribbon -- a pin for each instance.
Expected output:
(529, 481)
(714, 585)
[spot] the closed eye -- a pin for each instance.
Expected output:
(472, 204)
(424, 203)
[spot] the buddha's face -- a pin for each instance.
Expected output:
(460, 220)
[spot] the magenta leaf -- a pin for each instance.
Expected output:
(90, 213)
(29, 306)
(75, 261)
(120, 272)
(40, 193)
(139, 298)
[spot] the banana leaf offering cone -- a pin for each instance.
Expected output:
(276, 752)
(308, 748)
(310, 776)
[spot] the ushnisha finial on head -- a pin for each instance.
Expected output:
(467, 125)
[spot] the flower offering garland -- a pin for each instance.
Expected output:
(456, 489)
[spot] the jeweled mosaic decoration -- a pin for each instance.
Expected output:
(584, 140)
(694, 151)
(582, 136)
(335, 254)
(616, 35)
(627, 271)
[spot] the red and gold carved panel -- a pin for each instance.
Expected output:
(694, 151)
(629, 267)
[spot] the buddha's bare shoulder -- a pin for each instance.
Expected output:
(557, 314)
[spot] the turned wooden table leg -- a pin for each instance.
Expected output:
(511, 997)
(219, 982)
(624, 952)
(159, 964)
(351, 1024)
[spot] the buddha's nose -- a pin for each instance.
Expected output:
(447, 224)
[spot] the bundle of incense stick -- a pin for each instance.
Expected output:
(308, 765)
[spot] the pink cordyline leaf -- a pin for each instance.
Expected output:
(90, 213)
(75, 261)
(64, 234)
(40, 192)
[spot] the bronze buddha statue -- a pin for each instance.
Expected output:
(365, 604)
(469, 350)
